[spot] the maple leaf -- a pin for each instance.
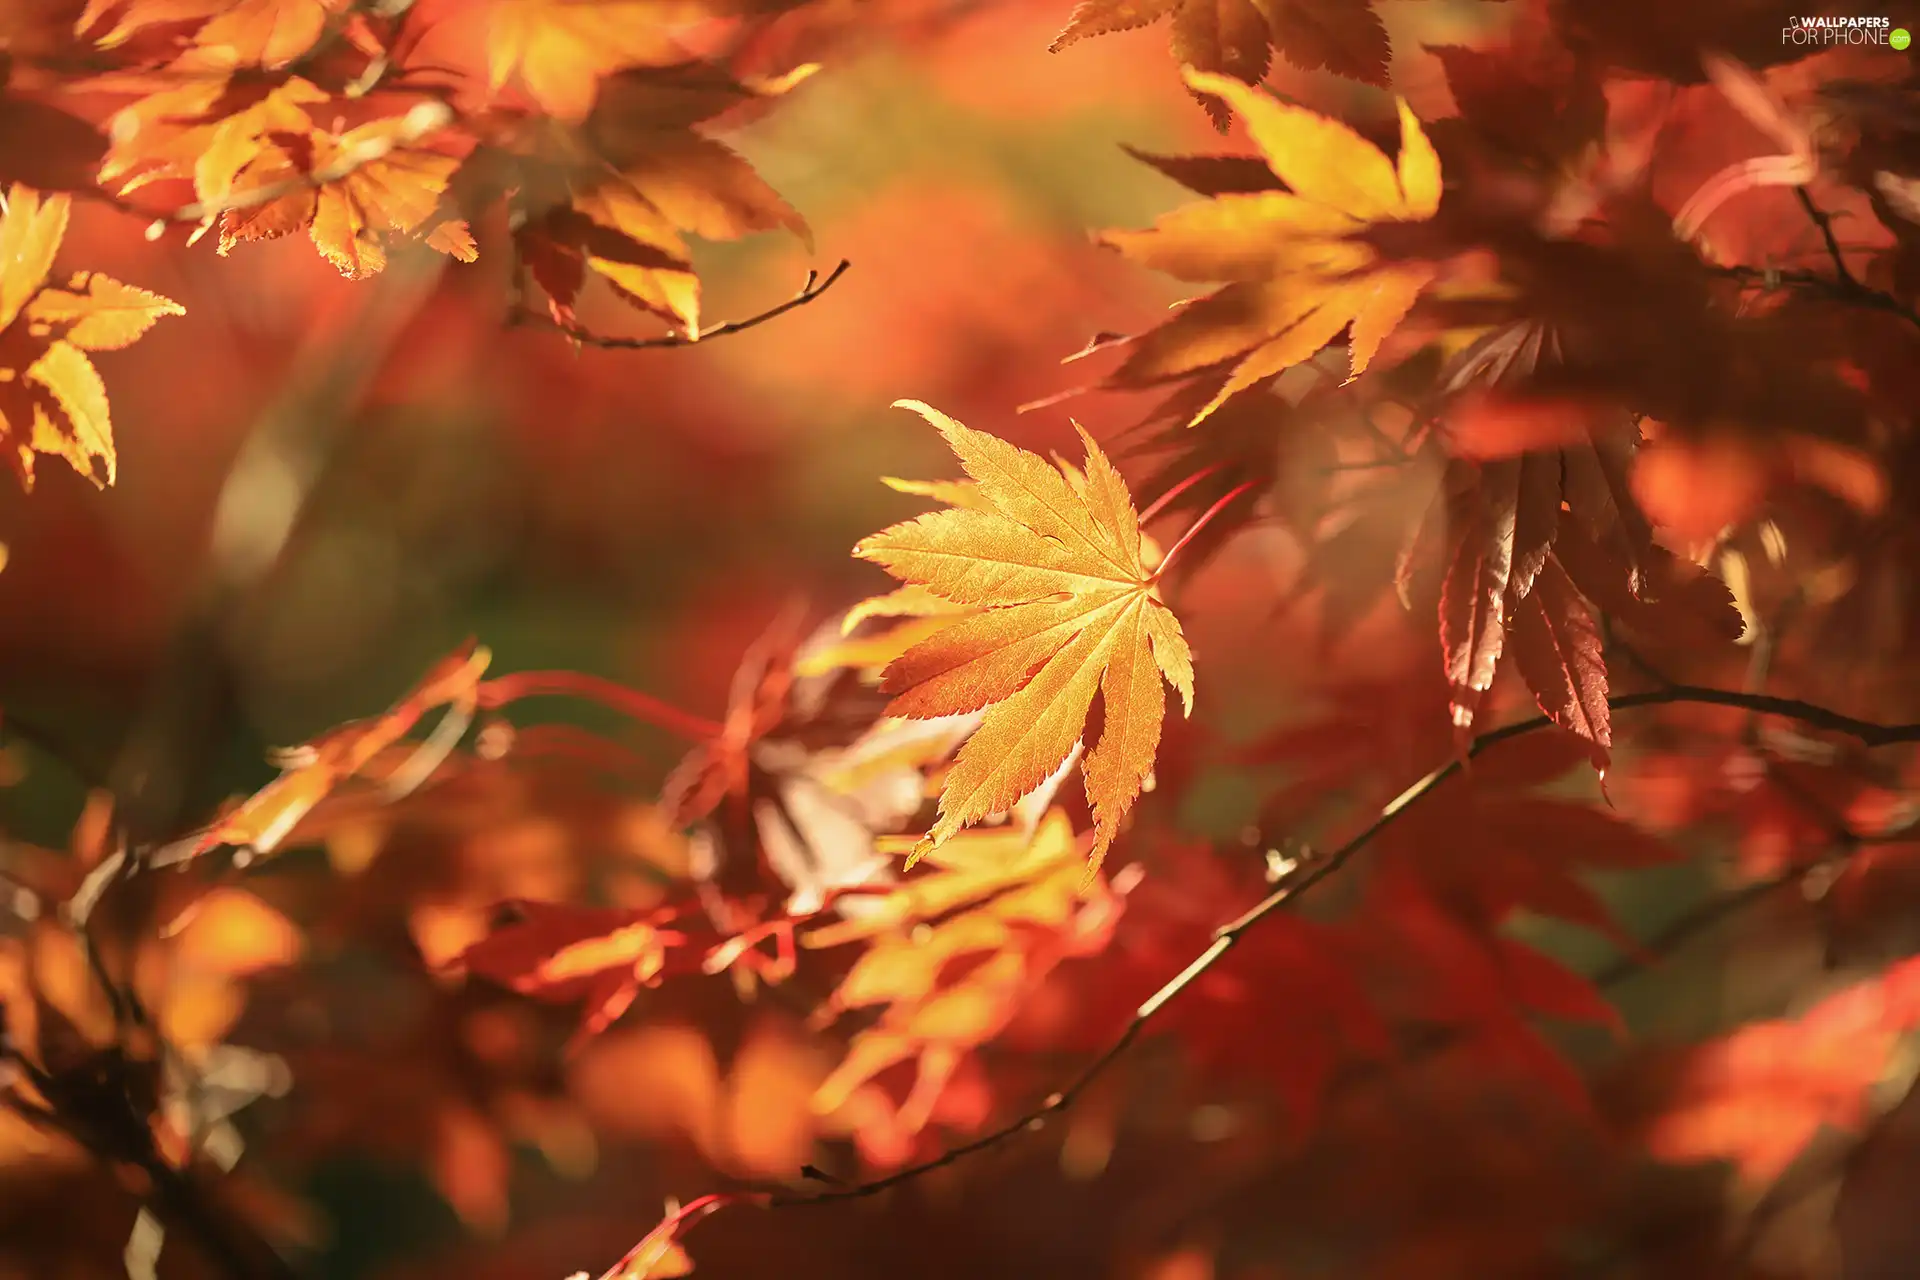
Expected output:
(1522, 569)
(1068, 609)
(1237, 38)
(1297, 278)
(354, 192)
(268, 33)
(52, 400)
(1758, 1096)
(617, 193)
(560, 49)
(598, 956)
(310, 773)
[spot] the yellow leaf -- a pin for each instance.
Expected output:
(1068, 609)
(51, 398)
(82, 431)
(955, 493)
(1294, 274)
(100, 314)
(29, 237)
(1019, 904)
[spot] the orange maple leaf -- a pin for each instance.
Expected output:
(52, 400)
(601, 956)
(617, 194)
(559, 49)
(355, 192)
(268, 33)
(1068, 608)
(261, 167)
(1296, 276)
(1758, 1096)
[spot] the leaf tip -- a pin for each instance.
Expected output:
(922, 849)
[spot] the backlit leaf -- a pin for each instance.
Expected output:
(1068, 610)
(1238, 38)
(52, 399)
(1297, 277)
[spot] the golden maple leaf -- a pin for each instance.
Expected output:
(1296, 275)
(1053, 561)
(52, 400)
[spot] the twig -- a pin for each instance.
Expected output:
(1824, 220)
(1308, 875)
(811, 288)
(1843, 286)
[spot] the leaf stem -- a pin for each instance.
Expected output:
(644, 707)
(1159, 504)
(1205, 518)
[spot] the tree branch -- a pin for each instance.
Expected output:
(1843, 286)
(1307, 875)
(810, 289)
(1824, 221)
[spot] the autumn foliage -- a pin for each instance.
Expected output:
(1370, 734)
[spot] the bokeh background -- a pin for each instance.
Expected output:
(643, 516)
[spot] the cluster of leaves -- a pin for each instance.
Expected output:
(373, 127)
(1602, 386)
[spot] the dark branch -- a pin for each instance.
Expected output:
(1307, 875)
(1824, 220)
(1843, 286)
(812, 288)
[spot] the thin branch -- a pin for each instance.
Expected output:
(811, 288)
(1824, 220)
(1681, 930)
(1842, 286)
(1308, 875)
(1159, 504)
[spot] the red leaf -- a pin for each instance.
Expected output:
(1557, 646)
(1544, 985)
(1473, 600)
(1536, 520)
